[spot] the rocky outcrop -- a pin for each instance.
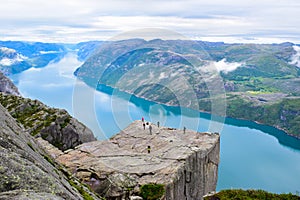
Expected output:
(26, 171)
(6, 86)
(183, 164)
(53, 125)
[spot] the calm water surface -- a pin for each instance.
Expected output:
(252, 156)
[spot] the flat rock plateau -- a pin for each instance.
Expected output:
(185, 163)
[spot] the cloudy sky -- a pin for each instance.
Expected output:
(259, 21)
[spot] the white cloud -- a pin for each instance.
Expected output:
(295, 60)
(49, 52)
(6, 62)
(10, 57)
(224, 66)
(78, 20)
(7, 50)
(162, 76)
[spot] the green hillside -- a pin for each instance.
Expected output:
(260, 82)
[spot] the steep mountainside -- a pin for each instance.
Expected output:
(27, 172)
(261, 77)
(53, 125)
(86, 49)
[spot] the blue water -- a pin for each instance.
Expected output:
(252, 156)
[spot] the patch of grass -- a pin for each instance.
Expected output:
(85, 194)
(152, 191)
(66, 122)
(37, 130)
(249, 195)
(46, 157)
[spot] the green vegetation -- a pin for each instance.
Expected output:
(35, 116)
(284, 113)
(65, 122)
(81, 189)
(265, 69)
(152, 191)
(49, 159)
(250, 195)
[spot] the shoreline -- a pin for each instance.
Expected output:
(226, 118)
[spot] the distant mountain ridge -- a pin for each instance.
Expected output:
(261, 81)
(252, 60)
(17, 56)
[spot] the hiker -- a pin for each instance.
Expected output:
(149, 149)
(184, 129)
(158, 124)
(144, 125)
(150, 129)
(143, 119)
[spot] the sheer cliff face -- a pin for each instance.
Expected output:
(184, 162)
(197, 177)
(24, 171)
(6, 86)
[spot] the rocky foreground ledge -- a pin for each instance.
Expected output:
(173, 163)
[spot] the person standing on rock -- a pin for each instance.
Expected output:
(144, 125)
(143, 119)
(184, 129)
(158, 124)
(149, 149)
(150, 129)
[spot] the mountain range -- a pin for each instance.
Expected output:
(28, 127)
(18, 56)
(257, 82)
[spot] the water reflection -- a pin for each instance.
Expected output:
(159, 112)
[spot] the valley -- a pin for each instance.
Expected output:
(246, 148)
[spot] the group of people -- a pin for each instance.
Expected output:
(150, 130)
(148, 124)
(150, 127)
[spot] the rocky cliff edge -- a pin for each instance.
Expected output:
(184, 163)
